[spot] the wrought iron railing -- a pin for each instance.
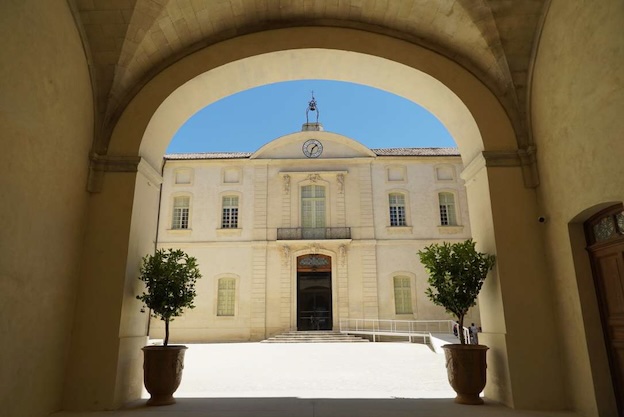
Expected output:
(304, 233)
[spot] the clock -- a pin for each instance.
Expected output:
(312, 148)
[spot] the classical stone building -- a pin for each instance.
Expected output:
(310, 229)
(92, 91)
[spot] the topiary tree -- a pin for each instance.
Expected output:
(456, 275)
(169, 277)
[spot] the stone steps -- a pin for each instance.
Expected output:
(313, 337)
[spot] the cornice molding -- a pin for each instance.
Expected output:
(100, 164)
(526, 159)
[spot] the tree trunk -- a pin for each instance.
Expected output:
(462, 339)
(166, 342)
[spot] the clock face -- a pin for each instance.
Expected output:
(312, 148)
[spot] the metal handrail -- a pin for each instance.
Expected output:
(397, 326)
(304, 233)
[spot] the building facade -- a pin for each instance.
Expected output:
(311, 229)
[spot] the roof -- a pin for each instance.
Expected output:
(416, 151)
(378, 152)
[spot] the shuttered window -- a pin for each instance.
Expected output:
(402, 295)
(226, 297)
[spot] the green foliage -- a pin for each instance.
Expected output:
(169, 276)
(456, 275)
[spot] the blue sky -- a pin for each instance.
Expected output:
(247, 120)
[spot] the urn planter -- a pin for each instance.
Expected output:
(466, 367)
(162, 372)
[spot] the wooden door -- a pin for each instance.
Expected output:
(605, 233)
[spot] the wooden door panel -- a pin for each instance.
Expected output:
(609, 262)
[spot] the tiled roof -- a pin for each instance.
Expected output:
(209, 155)
(378, 152)
(416, 151)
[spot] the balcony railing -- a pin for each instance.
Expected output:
(304, 233)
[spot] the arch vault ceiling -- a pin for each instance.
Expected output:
(128, 41)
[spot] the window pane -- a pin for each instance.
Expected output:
(447, 209)
(312, 206)
(397, 210)
(229, 217)
(180, 218)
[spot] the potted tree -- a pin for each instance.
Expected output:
(456, 275)
(169, 276)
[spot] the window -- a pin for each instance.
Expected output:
(397, 210)
(447, 209)
(180, 213)
(402, 295)
(226, 297)
(312, 206)
(229, 219)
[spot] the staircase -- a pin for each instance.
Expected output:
(317, 336)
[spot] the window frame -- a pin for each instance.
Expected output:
(174, 197)
(223, 196)
(325, 199)
(404, 194)
(454, 212)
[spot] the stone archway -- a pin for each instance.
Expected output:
(122, 217)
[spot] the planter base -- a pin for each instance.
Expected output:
(162, 372)
(466, 368)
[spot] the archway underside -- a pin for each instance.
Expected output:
(471, 112)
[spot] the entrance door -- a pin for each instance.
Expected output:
(605, 233)
(314, 293)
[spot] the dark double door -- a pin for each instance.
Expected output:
(314, 301)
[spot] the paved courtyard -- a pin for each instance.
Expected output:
(314, 380)
(314, 370)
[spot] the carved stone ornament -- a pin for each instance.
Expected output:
(314, 177)
(340, 179)
(286, 183)
(285, 255)
(342, 252)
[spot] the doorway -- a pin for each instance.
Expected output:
(314, 293)
(605, 238)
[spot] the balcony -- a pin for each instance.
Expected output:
(304, 233)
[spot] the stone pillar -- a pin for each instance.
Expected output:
(105, 358)
(524, 367)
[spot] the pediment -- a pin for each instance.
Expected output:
(333, 146)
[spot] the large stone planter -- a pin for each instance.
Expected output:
(162, 372)
(466, 368)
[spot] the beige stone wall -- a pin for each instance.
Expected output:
(577, 102)
(268, 188)
(46, 125)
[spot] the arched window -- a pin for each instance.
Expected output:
(397, 209)
(402, 295)
(447, 209)
(229, 212)
(312, 206)
(226, 297)
(181, 208)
